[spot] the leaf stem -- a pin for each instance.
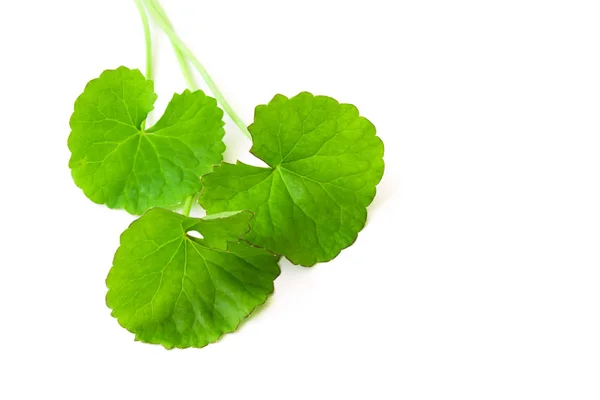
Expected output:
(185, 70)
(148, 39)
(159, 16)
(187, 205)
(183, 63)
(147, 36)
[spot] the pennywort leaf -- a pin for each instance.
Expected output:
(117, 162)
(172, 288)
(324, 163)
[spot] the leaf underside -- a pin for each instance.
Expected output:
(173, 289)
(324, 164)
(118, 163)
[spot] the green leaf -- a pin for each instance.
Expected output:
(325, 162)
(173, 289)
(119, 163)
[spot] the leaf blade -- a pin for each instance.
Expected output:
(178, 291)
(117, 163)
(325, 161)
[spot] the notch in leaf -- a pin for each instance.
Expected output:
(173, 289)
(117, 162)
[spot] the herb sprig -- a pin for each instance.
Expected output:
(181, 281)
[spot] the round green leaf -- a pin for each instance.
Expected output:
(324, 163)
(172, 288)
(119, 163)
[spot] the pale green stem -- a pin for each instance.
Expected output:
(187, 205)
(160, 18)
(185, 70)
(147, 36)
(148, 39)
(183, 63)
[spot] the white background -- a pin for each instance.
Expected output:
(477, 276)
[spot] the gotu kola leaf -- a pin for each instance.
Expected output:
(171, 288)
(119, 163)
(324, 163)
